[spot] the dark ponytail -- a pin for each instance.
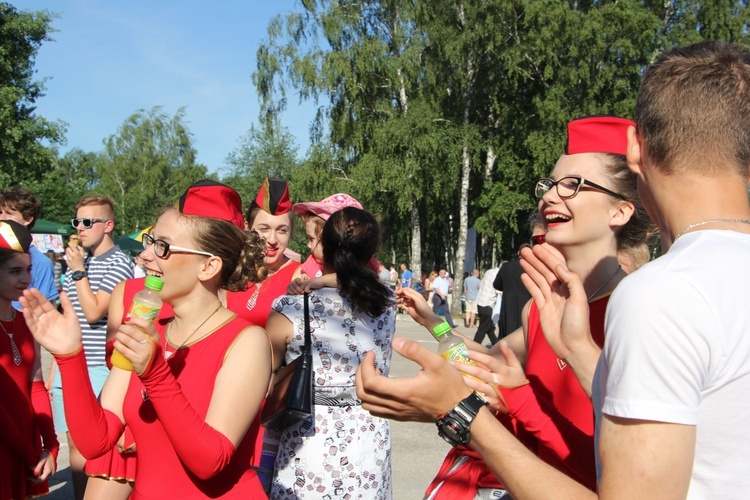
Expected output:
(350, 239)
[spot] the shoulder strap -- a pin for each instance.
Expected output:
(308, 341)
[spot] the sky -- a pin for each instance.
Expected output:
(108, 59)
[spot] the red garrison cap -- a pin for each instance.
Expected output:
(273, 197)
(207, 198)
(14, 236)
(598, 134)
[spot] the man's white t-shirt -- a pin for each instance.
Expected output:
(677, 350)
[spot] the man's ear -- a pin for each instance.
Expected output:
(109, 226)
(634, 155)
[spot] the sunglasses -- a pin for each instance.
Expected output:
(86, 222)
(162, 248)
(568, 187)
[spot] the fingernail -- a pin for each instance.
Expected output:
(464, 352)
(505, 343)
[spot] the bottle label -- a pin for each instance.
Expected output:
(145, 311)
(454, 354)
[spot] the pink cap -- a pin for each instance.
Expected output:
(325, 208)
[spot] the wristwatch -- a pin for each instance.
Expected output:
(79, 275)
(454, 425)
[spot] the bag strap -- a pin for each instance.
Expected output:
(308, 340)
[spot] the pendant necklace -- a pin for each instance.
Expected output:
(13, 346)
(711, 221)
(604, 283)
(168, 354)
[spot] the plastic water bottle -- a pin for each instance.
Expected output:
(146, 304)
(450, 345)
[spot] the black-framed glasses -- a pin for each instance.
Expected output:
(86, 222)
(568, 187)
(162, 248)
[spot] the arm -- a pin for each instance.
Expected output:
(116, 311)
(94, 305)
(95, 429)
(280, 331)
(563, 310)
(47, 462)
(207, 445)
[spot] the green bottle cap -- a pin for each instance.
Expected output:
(154, 283)
(441, 329)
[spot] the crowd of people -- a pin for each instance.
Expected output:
(607, 375)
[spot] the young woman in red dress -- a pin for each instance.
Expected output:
(28, 443)
(199, 377)
(592, 215)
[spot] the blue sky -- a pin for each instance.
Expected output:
(110, 58)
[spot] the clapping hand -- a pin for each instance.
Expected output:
(58, 333)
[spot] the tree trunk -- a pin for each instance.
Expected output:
(416, 244)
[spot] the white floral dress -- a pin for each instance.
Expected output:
(341, 451)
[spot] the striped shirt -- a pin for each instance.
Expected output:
(104, 273)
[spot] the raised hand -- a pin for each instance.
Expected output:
(414, 303)
(491, 372)
(434, 390)
(560, 298)
(58, 333)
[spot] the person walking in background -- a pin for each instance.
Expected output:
(440, 300)
(28, 443)
(471, 289)
(20, 205)
(383, 274)
(394, 277)
(95, 267)
(406, 276)
(340, 451)
(57, 268)
(486, 298)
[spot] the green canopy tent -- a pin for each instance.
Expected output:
(48, 227)
(129, 245)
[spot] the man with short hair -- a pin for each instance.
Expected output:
(471, 289)
(670, 386)
(20, 205)
(406, 276)
(89, 281)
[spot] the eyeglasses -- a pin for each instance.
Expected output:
(538, 239)
(568, 187)
(162, 248)
(87, 223)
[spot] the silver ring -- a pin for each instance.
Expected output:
(143, 341)
(41, 316)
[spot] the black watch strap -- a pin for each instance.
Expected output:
(454, 425)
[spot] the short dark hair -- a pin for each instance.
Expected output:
(693, 109)
(22, 201)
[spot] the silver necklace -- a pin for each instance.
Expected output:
(168, 354)
(13, 346)
(710, 221)
(609, 278)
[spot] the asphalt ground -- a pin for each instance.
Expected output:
(417, 449)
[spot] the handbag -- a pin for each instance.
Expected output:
(291, 398)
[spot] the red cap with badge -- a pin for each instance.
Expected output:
(207, 198)
(273, 197)
(598, 134)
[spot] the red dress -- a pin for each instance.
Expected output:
(254, 304)
(115, 465)
(554, 396)
(20, 441)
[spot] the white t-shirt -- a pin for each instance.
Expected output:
(441, 284)
(678, 350)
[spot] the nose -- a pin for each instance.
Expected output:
(271, 237)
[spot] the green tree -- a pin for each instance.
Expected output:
(265, 151)
(23, 155)
(73, 176)
(146, 166)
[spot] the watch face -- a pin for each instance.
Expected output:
(78, 275)
(452, 431)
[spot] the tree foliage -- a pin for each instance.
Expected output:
(23, 156)
(146, 166)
